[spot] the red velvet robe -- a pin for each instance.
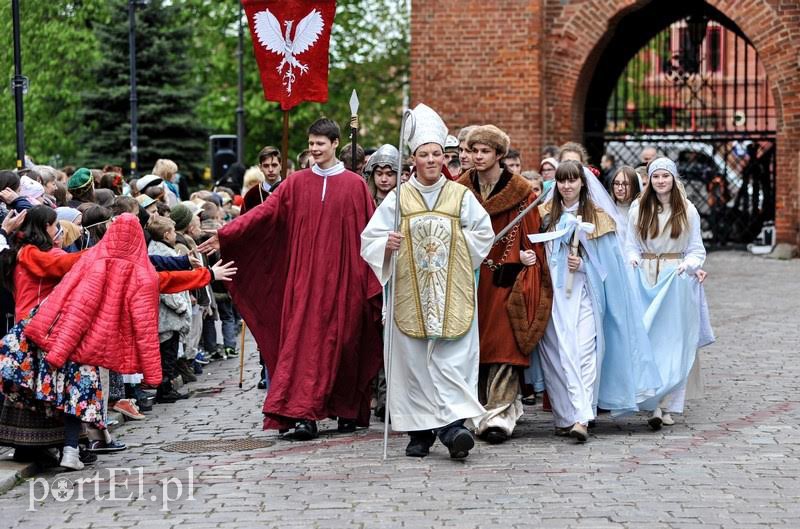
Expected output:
(309, 299)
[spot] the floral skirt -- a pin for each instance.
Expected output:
(28, 381)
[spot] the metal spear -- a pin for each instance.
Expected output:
(408, 116)
(353, 129)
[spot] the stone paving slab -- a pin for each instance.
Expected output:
(733, 460)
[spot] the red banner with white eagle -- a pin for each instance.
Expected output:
(290, 40)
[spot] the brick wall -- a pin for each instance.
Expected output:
(476, 64)
(525, 65)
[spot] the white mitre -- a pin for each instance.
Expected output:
(428, 128)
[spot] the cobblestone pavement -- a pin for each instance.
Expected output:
(732, 461)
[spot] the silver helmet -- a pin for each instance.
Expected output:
(385, 155)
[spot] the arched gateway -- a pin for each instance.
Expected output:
(696, 92)
(717, 76)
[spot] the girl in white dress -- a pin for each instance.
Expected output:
(664, 244)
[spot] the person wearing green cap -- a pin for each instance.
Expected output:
(81, 187)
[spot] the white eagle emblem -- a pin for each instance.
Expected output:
(268, 31)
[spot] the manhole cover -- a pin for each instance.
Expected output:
(217, 445)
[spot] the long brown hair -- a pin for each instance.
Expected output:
(572, 170)
(649, 207)
(629, 173)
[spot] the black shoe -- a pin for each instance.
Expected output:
(346, 426)
(170, 397)
(306, 431)
(420, 444)
(529, 400)
(101, 447)
(144, 406)
(45, 457)
(186, 371)
(380, 413)
(86, 457)
(262, 384)
(231, 352)
(495, 435)
(197, 368)
(218, 354)
(460, 443)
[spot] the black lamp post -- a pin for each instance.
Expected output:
(19, 85)
(134, 101)
(240, 107)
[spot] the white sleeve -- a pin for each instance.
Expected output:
(477, 228)
(633, 248)
(695, 253)
(376, 235)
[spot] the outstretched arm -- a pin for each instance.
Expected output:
(47, 264)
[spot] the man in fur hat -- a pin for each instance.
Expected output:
(444, 234)
(513, 308)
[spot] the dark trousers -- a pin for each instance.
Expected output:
(169, 361)
(229, 326)
(208, 339)
(72, 430)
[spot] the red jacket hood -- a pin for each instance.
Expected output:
(104, 312)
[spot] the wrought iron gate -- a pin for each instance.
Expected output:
(697, 93)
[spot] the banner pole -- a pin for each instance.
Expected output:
(285, 144)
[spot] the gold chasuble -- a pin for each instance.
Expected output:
(435, 295)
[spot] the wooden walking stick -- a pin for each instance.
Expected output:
(573, 250)
(241, 358)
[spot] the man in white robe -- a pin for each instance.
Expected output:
(433, 374)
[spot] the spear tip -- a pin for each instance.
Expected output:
(354, 103)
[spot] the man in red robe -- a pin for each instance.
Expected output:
(309, 299)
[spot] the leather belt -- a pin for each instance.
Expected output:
(661, 257)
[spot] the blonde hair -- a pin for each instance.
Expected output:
(252, 177)
(159, 226)
(71, 232)
(165, 169)
(575, 147)
(533, 176)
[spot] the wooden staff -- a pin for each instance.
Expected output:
(241, 358)
(573, 251)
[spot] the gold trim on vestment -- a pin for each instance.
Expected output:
(435, 296)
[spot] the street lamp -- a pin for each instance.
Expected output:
(19, 85)
(240, 107)
(134, 101)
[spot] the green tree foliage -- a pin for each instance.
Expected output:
(58, 43)
(76, 55)
(369, 52)
(168, 126)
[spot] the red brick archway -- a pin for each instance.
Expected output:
(525, 65)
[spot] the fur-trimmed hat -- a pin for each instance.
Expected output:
(491, 136)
